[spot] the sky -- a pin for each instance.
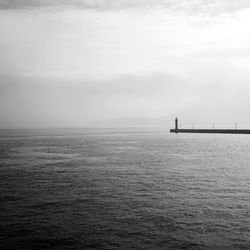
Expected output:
(66, 63)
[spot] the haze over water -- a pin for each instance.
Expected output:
(124, 189)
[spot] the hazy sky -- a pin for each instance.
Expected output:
(67, 63)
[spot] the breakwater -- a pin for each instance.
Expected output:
(211, 131)
(176, 130)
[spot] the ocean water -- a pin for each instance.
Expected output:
(123, 189)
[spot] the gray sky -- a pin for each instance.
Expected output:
(69, 63)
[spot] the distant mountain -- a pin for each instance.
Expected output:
(165, 121)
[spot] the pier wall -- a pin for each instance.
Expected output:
(211, 131)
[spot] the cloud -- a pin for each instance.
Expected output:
(59, 102)
(119, 52)
(100, 44)
(43, 101)
(96, 4)
(193, 6)
(38, 3)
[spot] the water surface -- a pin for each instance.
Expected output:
(123, 189)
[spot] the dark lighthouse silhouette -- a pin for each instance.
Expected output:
(209, 131)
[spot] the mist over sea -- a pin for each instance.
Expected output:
(123, 189)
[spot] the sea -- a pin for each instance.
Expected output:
(123, 188)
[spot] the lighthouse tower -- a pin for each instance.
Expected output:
(176, 124)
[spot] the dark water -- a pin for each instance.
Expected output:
(124, 189)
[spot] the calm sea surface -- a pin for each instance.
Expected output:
(123, 189)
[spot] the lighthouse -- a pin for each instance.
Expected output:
(176, 125)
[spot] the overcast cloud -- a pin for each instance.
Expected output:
(129, 58)
(212, 6)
